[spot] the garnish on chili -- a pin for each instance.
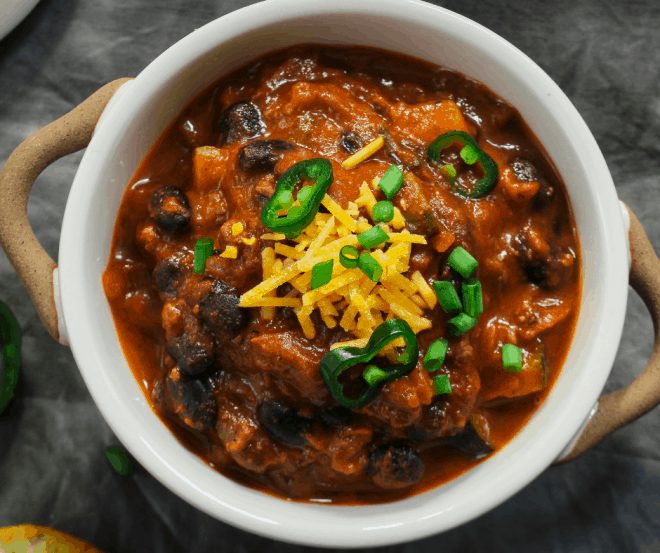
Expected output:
(373, 237)
(435, 355)
(10, 340)
(203, 250)
(447, 296)
(339, 360)
(441, 385)
(349, 256)
(473, 303)
(383, 212)
(470, 153)
(462, 262)
(321, 273)
(297, 217)
(391, 182)
(511, 358)
(460, 324)
(368, 264)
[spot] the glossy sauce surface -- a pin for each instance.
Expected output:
(245, 393)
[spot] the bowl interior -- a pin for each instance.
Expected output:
(137, 117)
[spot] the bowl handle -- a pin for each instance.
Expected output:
(618, 408)
(68, 134)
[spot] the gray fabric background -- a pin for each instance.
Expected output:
(605, 56)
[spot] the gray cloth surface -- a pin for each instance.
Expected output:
(605, 56)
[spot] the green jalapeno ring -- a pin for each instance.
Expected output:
(488, 166)
(337, 361)
(297, 218)
(10, 339)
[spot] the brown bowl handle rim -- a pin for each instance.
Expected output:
(66, 135)
(627, 404)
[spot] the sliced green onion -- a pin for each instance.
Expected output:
(441, 385)
(322, 273)
(447, 296)
(373, 375)
(435, 355)
(383, 212)
(449, 170)
(348, 256)
(469, 154)
(119, 460)
(460, 324)
(511, 358)
(462, 262)
(391, 182)
(304, 194)
(369, 266)
(203, 250)
(372, 237)
(473, 303)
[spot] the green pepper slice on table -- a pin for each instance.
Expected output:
(339, 360)
(471, 153)
(10, 365)
(296, 217)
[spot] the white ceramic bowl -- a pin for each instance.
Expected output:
(143, 108)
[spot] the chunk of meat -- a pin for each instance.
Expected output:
(292, 361)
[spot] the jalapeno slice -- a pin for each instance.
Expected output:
(340, 360)
(471, 153)
(10, 365)
(280, 214)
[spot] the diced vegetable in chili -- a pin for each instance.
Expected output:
(373, 237)
(470, 153)
(373, 375)
(391, 182)
(462, 262)
(473, 303)
(296, 218)
(383, 212)
(460, 324)
(339, 360)
(349, 256)
(203, 250)
(511, 358)
(447, 296)
(435, 355)
(441, 385)
(368, 264)
(322, 273)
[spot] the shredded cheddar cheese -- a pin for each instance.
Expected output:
(350, 300)
(364, 153)
(237, 229)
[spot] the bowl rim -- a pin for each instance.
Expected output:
(273, 518)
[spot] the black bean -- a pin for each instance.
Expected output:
(262, 155)
(350, 142)
(395, 466)
(536, 269)
(470, 442)
(240, 121)
(193, 401)
(219, 309)
(193, 356)
(335, 417)
(283, 424)
(167, 276)
(170, 209)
